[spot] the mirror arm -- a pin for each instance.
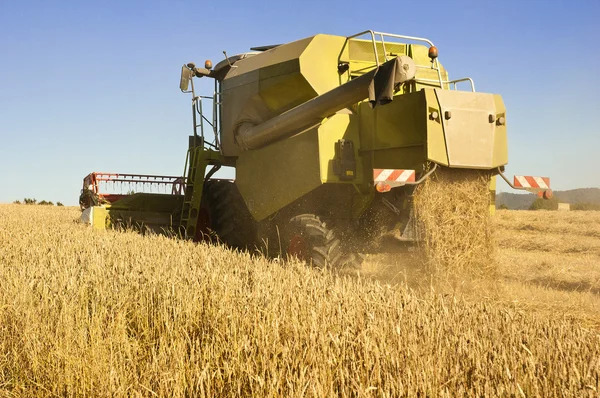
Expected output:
(200, 72)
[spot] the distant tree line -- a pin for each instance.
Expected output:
(552, 204)
(585, 206)
(579, 199)
(544, 204)
(33, 201)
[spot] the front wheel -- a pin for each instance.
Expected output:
(229, 217)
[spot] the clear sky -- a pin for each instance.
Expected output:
(93, 85)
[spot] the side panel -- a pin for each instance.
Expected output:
(99, 215)
(153, 202)
(500, 156)
(339, 126)
(345, 203)
(436, 140)
(395, 133)
(272, 177)
(473, 137)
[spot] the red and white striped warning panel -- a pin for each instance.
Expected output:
(532, 182)
(393, 177)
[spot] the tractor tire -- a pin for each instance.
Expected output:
(310, 240)
(229, 217)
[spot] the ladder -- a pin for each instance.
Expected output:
(197, 160)
(191, 202)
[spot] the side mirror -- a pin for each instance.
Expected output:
(186, 76)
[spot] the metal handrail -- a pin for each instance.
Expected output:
(434, 65)
(198, 108)
(464, 79)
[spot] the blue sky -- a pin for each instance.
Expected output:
(93, 85)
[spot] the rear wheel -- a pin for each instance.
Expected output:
(229, 216)
(310, 240)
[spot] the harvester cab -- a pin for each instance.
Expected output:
(329, 136)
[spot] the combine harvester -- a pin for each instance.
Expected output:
(328, 135)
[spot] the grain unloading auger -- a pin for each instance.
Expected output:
(328, 136)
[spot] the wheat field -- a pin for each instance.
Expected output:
(106, 313)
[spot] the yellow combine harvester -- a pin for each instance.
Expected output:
(328, 136)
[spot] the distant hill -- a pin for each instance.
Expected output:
(519, 201)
